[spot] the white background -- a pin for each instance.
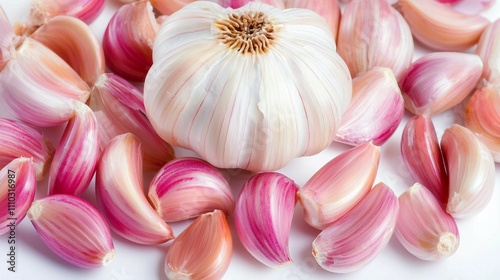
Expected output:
(478, 256)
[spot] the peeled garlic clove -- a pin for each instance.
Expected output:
(73, 229)
(128, 40)
(76, 155)
(439, 27)
(202, 251)
(168, 7)
(482, 116)
(488, 49)
(17, 191)
(20, 140)
(375, 111)
(438, 81)
(263, 217)
(368, 30)
(123, 106)
(6, 39)
(328, 9)
(422, 156)
(339, 185)
(185, 188)
(351, 242)
(40, 88)
(119, 193)
(423, 227)
(74, 41)
(471, 172)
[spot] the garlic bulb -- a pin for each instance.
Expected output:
(249, 88)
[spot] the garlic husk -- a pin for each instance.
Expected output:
(76, 156)
(375, 111)
(254, 107)
(120, 196)
(73, 229)
(202, 251)
(17, 191)
(240, 3)
(471, 172)
(185, 188)
(123, 106)
(7, 35)
(482, 116)
(73, 41)
(488, 49)
(351, 242)
(424, 228)
(438, 81)
(168, 7)
(368, 29)
(40, 88)
(328, 9)
(20, 140)
(339, 185)
(441, 28)
(128, 40)
(422, 156)
(263, 217)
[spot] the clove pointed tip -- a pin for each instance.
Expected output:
(34, 211)
(108, 258)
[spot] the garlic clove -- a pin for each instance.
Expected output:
(76, 155)
(6, 39)
(128, 40)
(339, 185)
(441, 28)
(328, 9)
(375, 111)
(168, 7)
(424, 228)
(422, 156)
(185, 188)
(73, 229)
(367, 30)
(202, 251)
(471, 172)
(120, 196)
(20, 140)
(438, 81)
(123, 106)
(488, 49)
(482, 116)
(73, 41)
(351, 242)
(263, 217)
(17, 191)
(40, 88)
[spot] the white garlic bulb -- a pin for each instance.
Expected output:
(247, 88)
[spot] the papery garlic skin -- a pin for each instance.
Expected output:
(482, 116)
(351, 242)
(422, 156)
(263, 217)
(17, 191)
(339, 185)
(128, 40)
(372, 33)
(76, 156)
(20, 140)
(123, 106)
(73, 41)
(185, 188)
(441, 28)
(438, 81)
(73, 229)
(120, 196)
(287, 104)
(471, 172)
(424, 228)
(375, 111)
(488, 49)
(40, 88)
(202, 251)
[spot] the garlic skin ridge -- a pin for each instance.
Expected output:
(271, 120)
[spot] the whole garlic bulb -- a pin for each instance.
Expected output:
(248, 88)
